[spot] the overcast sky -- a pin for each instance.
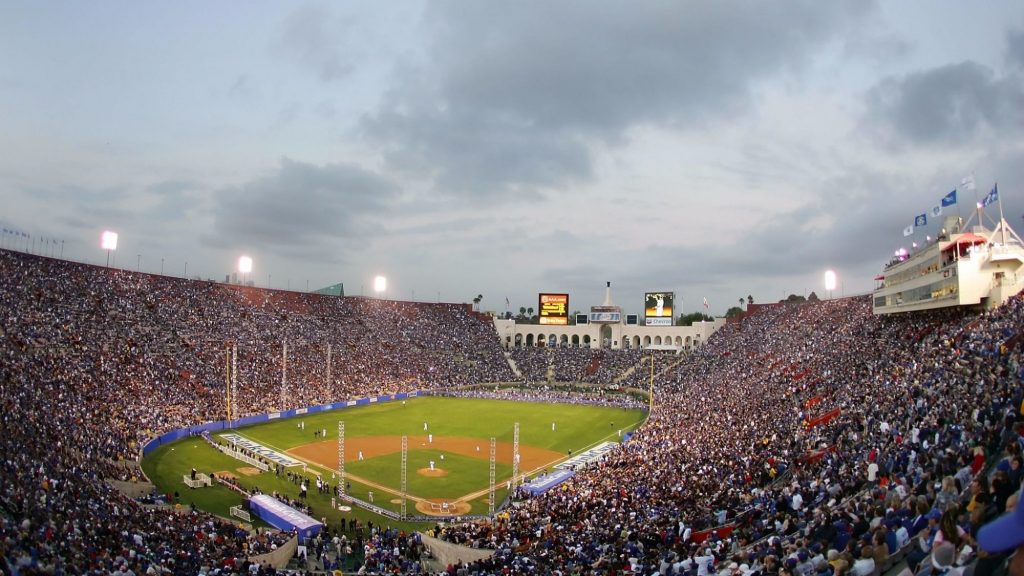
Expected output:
(715, 149)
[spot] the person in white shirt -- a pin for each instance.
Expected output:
(865, 565)
(704, 563)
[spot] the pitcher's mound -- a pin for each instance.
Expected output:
(226, 474)
(435, 473)
(249, 470)
(437, 507)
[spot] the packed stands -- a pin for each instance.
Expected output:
(807, 436)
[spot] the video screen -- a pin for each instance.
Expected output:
(658, 308)
(553, 309)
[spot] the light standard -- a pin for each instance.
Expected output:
(380, 285)
(108, 241)
(244, 267)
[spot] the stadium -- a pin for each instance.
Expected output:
(480, 289)
(860, 420)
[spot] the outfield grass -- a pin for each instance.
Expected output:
(577, 427)
(166, 465)
(464, 417)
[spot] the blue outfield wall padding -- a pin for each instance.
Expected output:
(260, 418)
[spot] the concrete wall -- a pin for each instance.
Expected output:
(621, 336)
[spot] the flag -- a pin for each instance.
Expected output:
(908, 230)
(921, 220)
(936, 211)
(992, 196)
(968, 182)
(705, 302)
(949, 199)
(507, 303)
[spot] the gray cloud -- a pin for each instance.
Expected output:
(946, 105)
(302, 209)
(508, 101)
(243, 88)
(174, 201)
(853, 223)
(1015, 49)
(312, 37)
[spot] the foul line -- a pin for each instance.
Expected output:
(321, 467)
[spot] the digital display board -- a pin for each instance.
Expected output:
(553, 309)
(605, 314)
(658, 308)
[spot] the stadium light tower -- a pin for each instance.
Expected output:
(108, 241)
(244, 266)
(380, 285)
(830, 282)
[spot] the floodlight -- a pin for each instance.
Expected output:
(108, 240)
(830, 280)
(380, 284)
(245, 264)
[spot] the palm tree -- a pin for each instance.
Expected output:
(741, 301)
(529, 312)
(476, 301)
(750, 300)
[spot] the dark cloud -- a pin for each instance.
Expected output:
(175, 200)
(1015, 49)
(312, 36)
(853, 223)
(946, 105)
(507, 100)
(314, 211)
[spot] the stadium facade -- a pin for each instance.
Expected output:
(973, 266)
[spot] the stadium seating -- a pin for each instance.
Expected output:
(758, 451)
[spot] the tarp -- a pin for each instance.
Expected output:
(548, 481)
(284, 517)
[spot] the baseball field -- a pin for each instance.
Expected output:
(448, 453)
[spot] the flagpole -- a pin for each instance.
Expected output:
(1002, 221)
(959, 217)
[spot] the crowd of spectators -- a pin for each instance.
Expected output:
(576, 364)
(95, 361)
(820, 434)
(807, 428)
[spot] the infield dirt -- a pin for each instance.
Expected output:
(326, 452)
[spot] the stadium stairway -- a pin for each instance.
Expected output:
(512, 365)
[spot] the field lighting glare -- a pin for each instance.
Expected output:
(380, 284)
(245, 264)
(830, 280)
(108, 240)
